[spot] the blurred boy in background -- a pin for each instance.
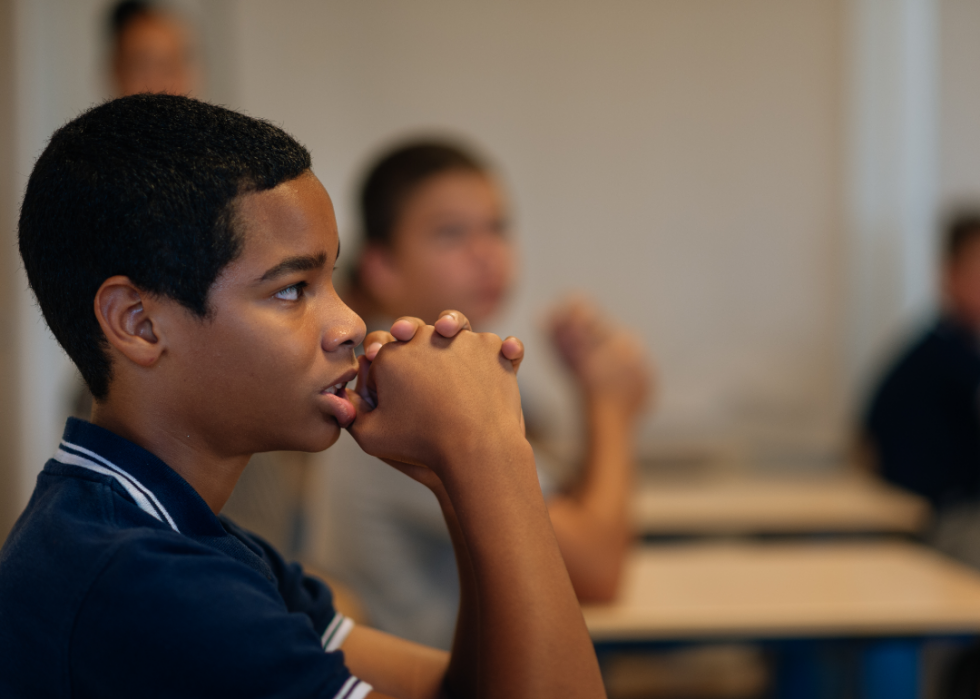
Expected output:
(152, 51)
(923, 421)
(437, 236)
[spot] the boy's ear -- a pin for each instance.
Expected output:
(126, 320)
(379, 275)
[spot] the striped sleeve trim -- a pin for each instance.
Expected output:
(354, 689)
(336, 633)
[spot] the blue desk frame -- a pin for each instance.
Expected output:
(828, 668)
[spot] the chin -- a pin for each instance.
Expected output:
(322, 441)
(312, 440)
(330, 441)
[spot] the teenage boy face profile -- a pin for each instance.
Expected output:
(267, 368)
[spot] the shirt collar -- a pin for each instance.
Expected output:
(155, 487)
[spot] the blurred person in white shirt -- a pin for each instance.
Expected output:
(436, 236)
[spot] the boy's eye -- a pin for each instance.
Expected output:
(291, 293)
(500, 228)
(448, 234)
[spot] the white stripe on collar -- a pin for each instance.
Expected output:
(140, 493)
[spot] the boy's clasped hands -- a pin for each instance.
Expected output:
(409, 375)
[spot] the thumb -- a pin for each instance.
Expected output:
(366, 428)
(363, 387)
(363, 409)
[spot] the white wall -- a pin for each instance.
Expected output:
(9, 444)
(892, 153)
(56, 76)
(680, 160)
(959, 175)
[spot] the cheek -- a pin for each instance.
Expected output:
(453, 272)
(255, 384)
(241, 360)
(504, 261)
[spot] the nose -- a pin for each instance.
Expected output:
(345, 329)
(487, 250)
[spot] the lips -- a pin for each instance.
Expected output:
(341, 381)
(336, 403)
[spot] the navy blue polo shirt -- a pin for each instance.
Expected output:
(923, 419)
(119, 581)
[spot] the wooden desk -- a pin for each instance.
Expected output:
(788, 590)
(758, 505)
(778, 592)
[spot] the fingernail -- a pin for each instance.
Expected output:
(402, 327)
(371, 350)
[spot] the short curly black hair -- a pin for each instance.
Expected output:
(142, 186)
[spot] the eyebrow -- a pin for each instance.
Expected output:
(299, 263)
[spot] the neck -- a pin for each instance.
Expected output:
(211, 475)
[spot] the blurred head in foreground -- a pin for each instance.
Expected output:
(436, 235)
(152, 51)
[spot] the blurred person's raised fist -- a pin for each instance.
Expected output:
(607, 360)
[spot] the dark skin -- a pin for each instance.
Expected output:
(257, 375)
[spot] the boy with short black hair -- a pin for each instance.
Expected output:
(182, 255)
(923, 419)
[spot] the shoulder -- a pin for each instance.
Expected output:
(945, 360)
(169, 602)
(942, 351)
(938, 370)
(73, 525)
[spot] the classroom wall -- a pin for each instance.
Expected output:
(9, 456)
(57, 46)
(890, 180)
(959, 174)
(59, 61)
(678, 160)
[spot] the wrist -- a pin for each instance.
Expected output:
(610, 409)
(484, 459)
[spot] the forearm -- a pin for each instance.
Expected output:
(520, 607)
(393, 666)
(593, 524)
(463, 672)
(447, 412)
(607, 479)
